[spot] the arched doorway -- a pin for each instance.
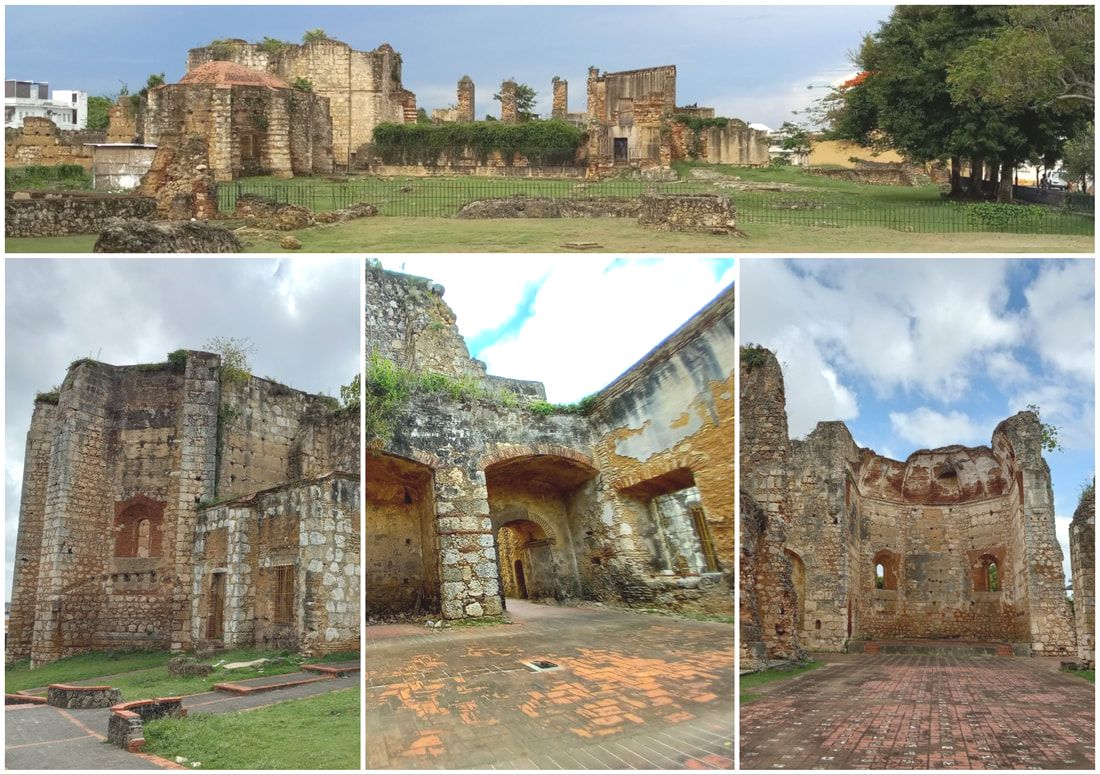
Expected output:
(527, 563)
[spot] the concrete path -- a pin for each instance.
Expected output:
(629, 691)
(908, 711)
(43, 738)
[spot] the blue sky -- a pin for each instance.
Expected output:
(574, 323)
(750, 62)
(916, 354)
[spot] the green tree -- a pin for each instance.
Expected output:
(422, 116)
(309, 36)
(1042, 55)
(99, 112)
(1079, 155)
(350, 393)
(235, 354)
(525, 101)
(796, 138)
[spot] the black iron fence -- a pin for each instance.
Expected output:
(443, 197)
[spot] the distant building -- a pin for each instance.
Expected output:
(30, 99)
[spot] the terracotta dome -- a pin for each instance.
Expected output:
(232, 74)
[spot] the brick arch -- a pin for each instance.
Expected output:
(501, 453)
(691, 461)
(538, 519)
(129, 515)
(426, 459)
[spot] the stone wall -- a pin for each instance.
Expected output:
(125, 123)
(69, 697)
(363, 88)
(495, 167)
(956, 542)
(633, 106)
(40, 143)
(552, 207)
(179, 179)
(877, 176)
(52, 214)
(631, 503)
(126, 726)
(120, 167)
(735, 143)
(248, 130)
(117, 464)
(560, 106)
(710, 213)
(1082, 550)
(289, 560)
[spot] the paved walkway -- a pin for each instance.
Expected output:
(922, 712)
(43, 738)
(630, 691)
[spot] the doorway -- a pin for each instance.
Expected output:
(215, 620)
(621, 149)
(521, 582)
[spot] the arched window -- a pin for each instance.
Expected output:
(886, 565)
(144, 536)
(989, 579)
(137, 527)
(880, 576)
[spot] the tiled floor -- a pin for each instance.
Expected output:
(630, 691)
(919, 712)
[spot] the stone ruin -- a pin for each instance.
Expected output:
(841, 546)
(1082, 550)
(168, 506)
(471, 498)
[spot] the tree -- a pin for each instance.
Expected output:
(310, 36)
(350, 393)
(525, 101)
(422, 116)
(1079, 155)
(796, 139)
(904, 101)
(99, 112)
(1043, 55)
(234, 353)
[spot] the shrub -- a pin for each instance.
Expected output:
(540, 142)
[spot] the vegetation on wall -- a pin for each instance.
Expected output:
(540, 142)
(235, 354)
(753, 356)
(67, 177)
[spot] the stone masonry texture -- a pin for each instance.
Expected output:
(828, 514)
(471, 498)
(122, 466)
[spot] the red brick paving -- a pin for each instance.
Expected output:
(632, 692)
(921, 712)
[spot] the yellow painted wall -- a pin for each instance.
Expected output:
(837, 153)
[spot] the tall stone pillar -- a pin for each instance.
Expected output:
(1082, 553)
(468, 556)
(465, 104)
(560, 108)
(509, 106)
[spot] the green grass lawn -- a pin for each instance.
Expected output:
(756, 680)
(1088, 675)
(447, 235)
(311, 734)
(144, 675)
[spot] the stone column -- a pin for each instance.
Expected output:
(467, 555)
(197, 434)
(28, 546)
(560, 109)
(1082, 553)
(509, 107)
(465, 104)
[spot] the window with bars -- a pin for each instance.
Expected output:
(284, 594)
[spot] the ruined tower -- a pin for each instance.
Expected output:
(464, 108)
(560, 108)
(509, 105)
(1082, 549)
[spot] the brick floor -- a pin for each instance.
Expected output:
(922, 712)
(632, 691)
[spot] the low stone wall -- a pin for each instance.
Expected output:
(54, 214)
(68, 696)
(126, 726)
(137, 236)
(877, 176)
(23, 699)
(39, 142)
(548, 207)
(263, 213)
(688, 212)
(473, 167)
(709, 594)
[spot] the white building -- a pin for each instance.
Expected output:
(22, 99)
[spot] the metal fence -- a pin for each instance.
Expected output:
(443, 197)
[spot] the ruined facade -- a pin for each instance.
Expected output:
(363, 88)
(40, 143)
(166, 506)
(952, 543)
(474, 496)
(253, 123)
(1082, 550)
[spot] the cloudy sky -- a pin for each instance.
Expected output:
(303, 317)
(749, 62)
(916, 354)
(574, 323)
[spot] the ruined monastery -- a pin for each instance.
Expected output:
(472, 495)
(843, 549)
(175, 506)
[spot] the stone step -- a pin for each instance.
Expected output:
(333, 670)
(960, 648)
(270, 683)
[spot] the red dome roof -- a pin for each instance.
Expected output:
(233, 74)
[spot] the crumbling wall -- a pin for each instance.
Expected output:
(964, 536)
(42, 214)
(1082, 549)
(735, 142)
(633, 106)
(363, 88)
(40, 143)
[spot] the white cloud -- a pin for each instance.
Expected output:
(929, 429)
(1061, 303)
